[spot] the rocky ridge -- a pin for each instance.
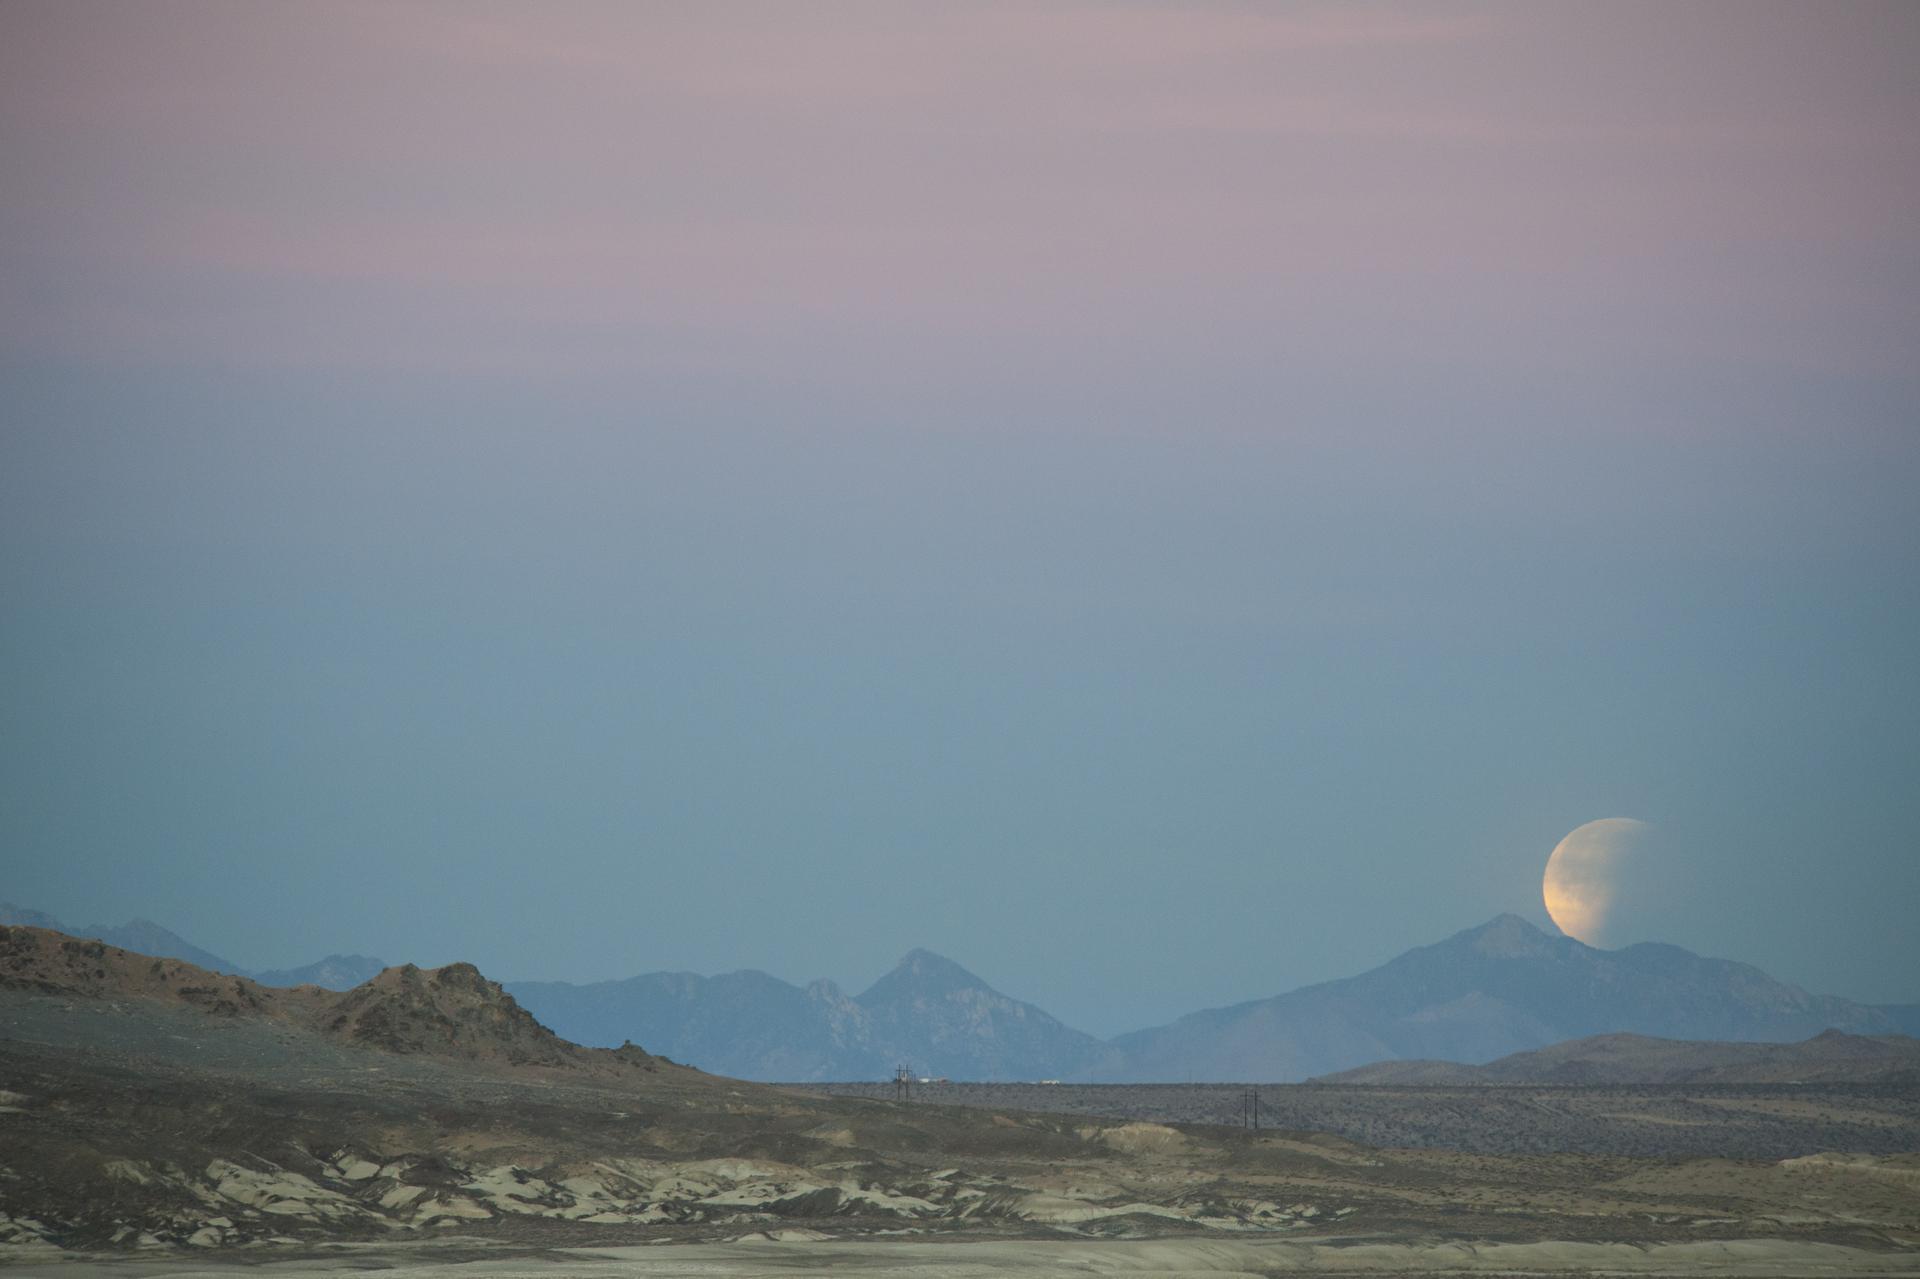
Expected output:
(450, 1012)
(335, 972)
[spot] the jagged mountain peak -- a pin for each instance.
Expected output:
(928, 963)
(921, 974)
(1506, 923)
(1507, 936)
(335, 972)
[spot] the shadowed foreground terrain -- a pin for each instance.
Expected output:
(152, 1122)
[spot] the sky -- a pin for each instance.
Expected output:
(1160, 503)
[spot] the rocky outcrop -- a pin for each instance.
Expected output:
(453, 1012)
(450, 1012)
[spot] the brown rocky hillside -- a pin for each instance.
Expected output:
(443, 1012)
(48, 962)
(450, 1012)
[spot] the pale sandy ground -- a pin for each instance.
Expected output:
(773, 1258)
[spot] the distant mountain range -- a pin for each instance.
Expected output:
(928, 1013)
(1501, 988)
(335, 972)
(1484, 994)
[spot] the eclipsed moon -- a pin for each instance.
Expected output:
(1589, 876)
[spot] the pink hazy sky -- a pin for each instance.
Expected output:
(954, 192)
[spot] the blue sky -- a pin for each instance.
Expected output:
(1159, 503)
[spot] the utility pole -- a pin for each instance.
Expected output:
(902, 1084)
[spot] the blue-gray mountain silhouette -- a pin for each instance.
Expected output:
(335, 972)
(1501, 988)
(928, 1013)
